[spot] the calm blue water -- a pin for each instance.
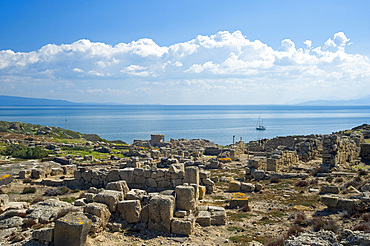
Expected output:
(216, 123)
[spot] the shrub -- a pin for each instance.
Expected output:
(300, 219)
(294, 230)
(24, 152)
(29, 190)
(276, 242)
(319, 223)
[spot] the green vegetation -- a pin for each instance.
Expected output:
(24, 152)
(29, 190)
(68, 199)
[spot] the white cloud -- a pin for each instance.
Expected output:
(216, 60)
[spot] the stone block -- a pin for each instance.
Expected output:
(192, 175)
(218, 217)
(204, 218)
(144, 216)
(185, 197)
(127, 174)
(110, 198)
(129, 210)
(272, 165)
(135, 194)
(331, 189)
(113, 175)
(161, 210)
(238, 200)
(6, 179)
(119, 186)
(71, 230)
(23, 174)
(72, 183)
(100, 210)
(330, 201)
(347, 203)
(44, 235)
(234, 186)
(258, 174)
(183, 226)
(77, 174)
(37, 174)
(247, 187)
(138, 171)
(181, 213)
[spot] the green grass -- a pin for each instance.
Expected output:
(234, 228)
(300, 199)
(68, 199)
(239, 216)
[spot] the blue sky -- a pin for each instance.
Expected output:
(185, 52)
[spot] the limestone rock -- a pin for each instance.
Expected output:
(110, 198)
(238, 200)
(11, 222)
(329, 189)
(100, 210)
(4, 200)
(183, 226)
(119, 186)
(234, 186)
(129, 210)
(71, 230)
(161, 210)
(44, 235)
(47, 211)
(185, 198)
(204, 218)
(247, 187)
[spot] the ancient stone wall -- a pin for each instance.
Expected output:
(153, 178)
(337, 150)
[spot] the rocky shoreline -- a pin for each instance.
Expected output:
(296, 190)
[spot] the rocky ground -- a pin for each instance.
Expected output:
(283, 211)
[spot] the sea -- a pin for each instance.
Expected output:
(215, 123)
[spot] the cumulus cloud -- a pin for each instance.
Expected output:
(216, 60)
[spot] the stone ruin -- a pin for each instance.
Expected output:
(338, 150)
(163, 200)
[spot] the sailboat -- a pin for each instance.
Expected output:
(259, 126)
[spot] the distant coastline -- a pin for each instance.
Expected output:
(29, 101)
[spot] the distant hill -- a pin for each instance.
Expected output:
(26, 101)
(364, 101)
